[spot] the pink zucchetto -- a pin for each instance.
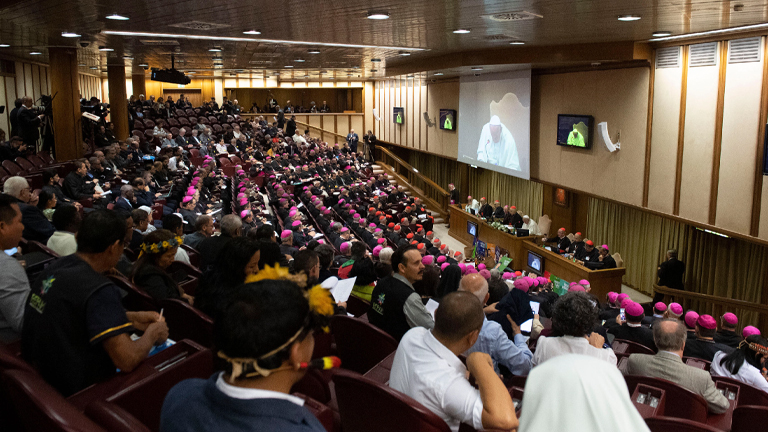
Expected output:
(444, 266)
(186, 199)
(376, 250)
(612, 297)
(428, 260)
(296, 223)
(690, 319)
(344, 248)
(441, 259)
(576, 287)
(485, 274)
(634, 310)
(481, 266)
(243, 214)
(286, 234)
(730, 318)
(707, 321)
(749, 331)
(521, 284)
(675, 309)
(507, 275)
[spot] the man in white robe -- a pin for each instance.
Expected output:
(497, 146)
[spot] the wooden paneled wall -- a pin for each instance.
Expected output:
(205, 86)
(21, 79)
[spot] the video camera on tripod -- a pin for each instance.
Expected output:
(45, 107)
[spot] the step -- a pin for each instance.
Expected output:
(439, 220)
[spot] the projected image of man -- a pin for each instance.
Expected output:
(497, 146)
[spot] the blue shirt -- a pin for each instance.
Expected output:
(197, 405)
(514, 355)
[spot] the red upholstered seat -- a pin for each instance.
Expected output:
(213, 120)
(189, 112)
(13, 168)
(749, 418)
(194, 255)
(114, 418)
(357, 306)
(224, 161)
(365, 405)
(360, 345)
(697, 363)
(680, 402)
(186, 322)
(36, 161)
(193, 121)
(202, 120)
(748, 395)
(217, 128)
(628, 347)
(319, 410)
(136, 300)
(380, 372)
(46, 157)
(180, 112)
(138, 124)
(674, 424)
(41, 407)
(173, 122)
(175, 131)
(149, 124)
(25, 164)
(236, 160)
(183, 121)
(144, 399)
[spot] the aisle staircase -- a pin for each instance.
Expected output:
(378, 169)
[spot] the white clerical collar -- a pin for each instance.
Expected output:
(629, 324)
(249, 393)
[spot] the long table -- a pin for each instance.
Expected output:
(601, 281)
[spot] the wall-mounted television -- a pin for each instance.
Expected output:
(472, 229)
(398, 115)
(448, 119)
(535, 263)
(575, 130)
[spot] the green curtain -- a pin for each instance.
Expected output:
(440, 170)
(715, 265)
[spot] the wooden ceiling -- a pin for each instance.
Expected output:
(36, 25)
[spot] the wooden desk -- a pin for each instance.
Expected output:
(601, 281)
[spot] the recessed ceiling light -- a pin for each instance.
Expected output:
(517, 43)
(82, 65)
(288, 66)
(375, 60)
(299, 60)
(143, 65)
(4, 45)
(409, 76)
(313, 51)
(103, 48)
(438, 73)
(214, 49)
(117, 17)
(477, 68)
(661, 33)
(67, 34)
(130, 58)
(35, 53)
(252, 32)
(461, 31)
(306, 76)
(355, 67)
(330, 77)
(403, 53)
(628, 17)
(94, 67)
(595, 64)
(378, 15)
(247, 39)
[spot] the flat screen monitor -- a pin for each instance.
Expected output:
(448, 119)
(398, 115)
(472, 229)
(535, 263)
(574, 130)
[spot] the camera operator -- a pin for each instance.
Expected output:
(29, 122)
(13, 149)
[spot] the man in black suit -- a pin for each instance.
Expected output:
(29, 123)
(181, 141)
(498, 211)
(13, 149)
(75, 185)
(670, 273)
(562, 241)
(454, 194)
(124, 203)
(703, 346)
(632, 329)
(14, 118)
(486, 211)
(290, 127)
(727, 334)
(604, 260)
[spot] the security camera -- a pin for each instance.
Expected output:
(85, 43)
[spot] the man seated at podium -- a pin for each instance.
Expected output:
(486, 211)
(562, 241)
(530, 225)
(498, 210)
(604, 260)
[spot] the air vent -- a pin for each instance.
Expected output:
(513, 16)
(704, 54)
(744, 50)
(199, 25)
(159, 42)
(668, 57)
(262, 62)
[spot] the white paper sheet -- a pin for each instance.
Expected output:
(432, 307)
(343, 289)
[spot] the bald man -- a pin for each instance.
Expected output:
(514, 355)
(427, 368)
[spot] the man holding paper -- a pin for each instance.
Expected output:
(395, 306)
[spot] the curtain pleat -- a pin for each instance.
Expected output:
(715, 265)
